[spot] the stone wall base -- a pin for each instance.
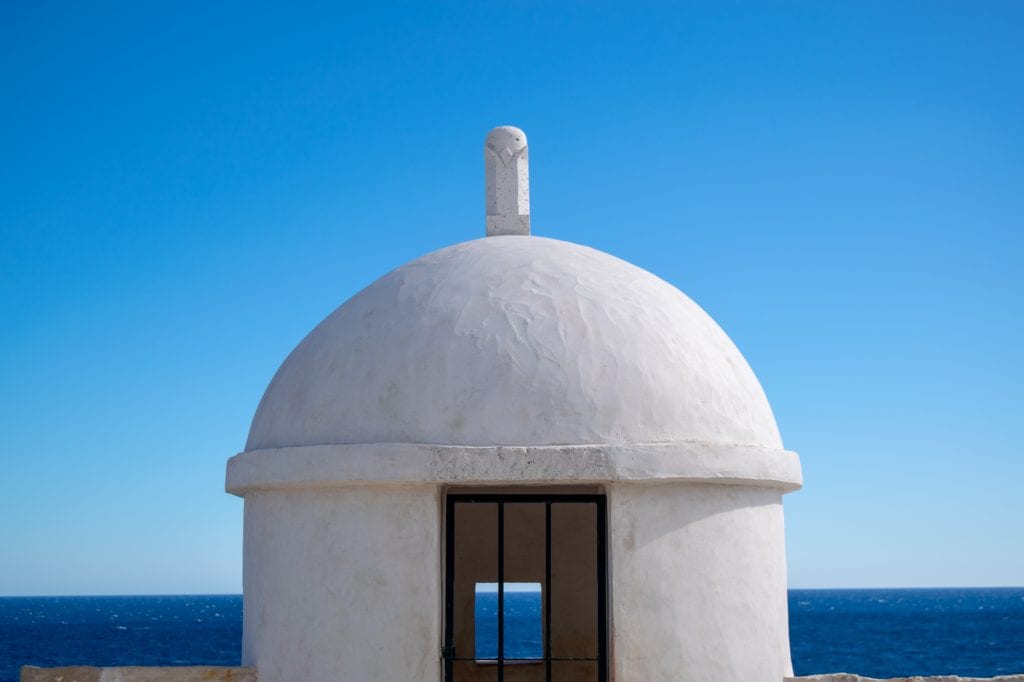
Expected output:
(847, 677)
(84, 673)
(221, 674)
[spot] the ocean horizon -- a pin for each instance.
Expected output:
(890, 632)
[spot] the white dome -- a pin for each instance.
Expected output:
(515, 340)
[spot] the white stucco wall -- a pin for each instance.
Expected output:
(342, 584)
(698, 588)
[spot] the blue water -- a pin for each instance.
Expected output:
(880, 633)
(50, 631)
(900, 633)
(524, 626)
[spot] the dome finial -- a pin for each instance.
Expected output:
(506, 158)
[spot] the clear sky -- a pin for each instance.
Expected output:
(187, 189)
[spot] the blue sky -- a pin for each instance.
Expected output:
(187, 189)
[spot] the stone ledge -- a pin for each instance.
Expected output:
(84, 673)
(326, 466)
(847, 677)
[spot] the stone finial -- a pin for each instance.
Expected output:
(506, 158)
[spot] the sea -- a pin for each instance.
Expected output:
(877, 633)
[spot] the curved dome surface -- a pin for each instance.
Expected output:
(515, 340)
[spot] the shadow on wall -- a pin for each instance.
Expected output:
(703, 501)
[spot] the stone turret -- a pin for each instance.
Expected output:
(508, 416)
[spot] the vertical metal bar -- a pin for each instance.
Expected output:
(602, 594)
(547, 592)
(501, 591)
(449, 589)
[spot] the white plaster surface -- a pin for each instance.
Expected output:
(520, 341)
(318, 466)
(342, 584)
(698, 583)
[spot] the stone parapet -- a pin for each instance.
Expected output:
(847, 677)
(226, 674)
(84, 673)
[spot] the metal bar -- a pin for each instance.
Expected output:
(547, 591)
(602, 594)
(449, 590)
(530, 497)
(501, 591)
(585, 659)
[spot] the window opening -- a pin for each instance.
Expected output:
(523, 621)
(556, 555)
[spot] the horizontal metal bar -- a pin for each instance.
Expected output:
(567, 659)
(492, 497)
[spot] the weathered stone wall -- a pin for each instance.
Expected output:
(83, 673)
(847, 677)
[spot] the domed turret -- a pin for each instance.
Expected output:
(515, 410)
(515, 341)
